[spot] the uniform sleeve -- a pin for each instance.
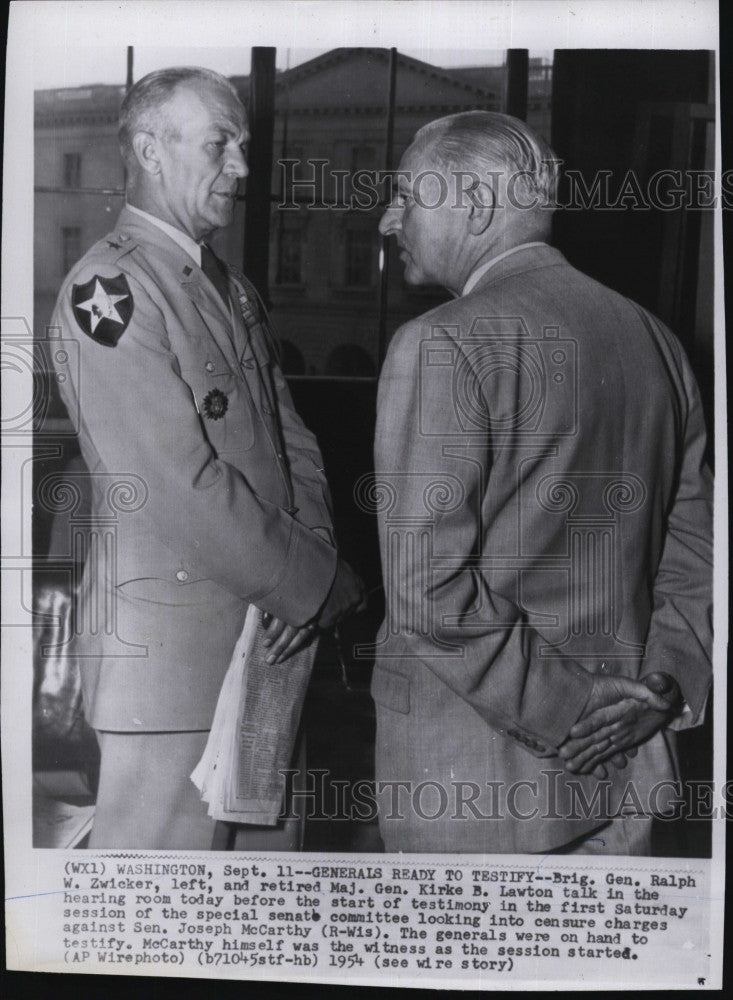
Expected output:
(312, 497)
(499, 670)
(311, 493)
(140, 417)
(679, 640)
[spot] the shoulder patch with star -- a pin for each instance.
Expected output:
(103, 308)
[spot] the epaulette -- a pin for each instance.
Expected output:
(114, 246)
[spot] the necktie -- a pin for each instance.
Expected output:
(215, 271)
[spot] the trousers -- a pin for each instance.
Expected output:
(147, 801)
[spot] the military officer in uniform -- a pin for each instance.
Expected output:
(180, 397)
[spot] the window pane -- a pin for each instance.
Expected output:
(539, 92)
(75, 147)
(289, 261)
(360, 245)
(331, 106)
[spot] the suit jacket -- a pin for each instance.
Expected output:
(208, 491)
(544, 514)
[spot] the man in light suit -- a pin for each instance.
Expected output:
(545, 523)
(223, 500)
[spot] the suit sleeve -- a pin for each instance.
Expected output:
(141, 417)
(499, 670)
(679, 640)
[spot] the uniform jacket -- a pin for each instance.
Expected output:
(544, 514)
(208, 491)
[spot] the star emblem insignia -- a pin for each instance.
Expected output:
(103, 308)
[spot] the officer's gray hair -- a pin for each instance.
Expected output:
(484, 141)
(144, 106)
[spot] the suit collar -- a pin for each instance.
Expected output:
(478, 272)
(528, 257)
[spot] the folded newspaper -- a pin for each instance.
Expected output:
(253, 734)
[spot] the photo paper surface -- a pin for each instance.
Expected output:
(401, 335)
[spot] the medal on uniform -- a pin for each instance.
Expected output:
(216, 404)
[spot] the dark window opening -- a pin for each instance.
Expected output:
(72, 170)
(289, 270)
(359, 258)
(71, 249)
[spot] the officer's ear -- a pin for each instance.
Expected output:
(145, 145)
(481, 209)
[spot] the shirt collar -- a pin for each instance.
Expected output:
(475, 276)
(183, 240)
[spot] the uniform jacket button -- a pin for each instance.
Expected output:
(182, 575)
(209, 366)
